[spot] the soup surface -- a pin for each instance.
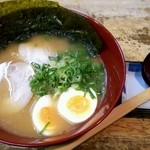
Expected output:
(48, 86)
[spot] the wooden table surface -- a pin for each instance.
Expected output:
(129, 22)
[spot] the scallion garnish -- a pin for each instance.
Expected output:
(70, 68)
(44, 128)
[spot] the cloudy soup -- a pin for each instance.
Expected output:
(48, 86)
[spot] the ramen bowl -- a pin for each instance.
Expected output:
(108, 51)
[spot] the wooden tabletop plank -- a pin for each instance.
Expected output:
(129, 22)
(126, 133)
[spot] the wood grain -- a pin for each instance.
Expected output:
(129, 22)
(118, 112)
(125, 134)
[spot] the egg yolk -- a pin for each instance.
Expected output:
(78, 104)
(45, 114)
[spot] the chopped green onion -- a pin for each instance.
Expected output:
(44, 128)
(71, 68)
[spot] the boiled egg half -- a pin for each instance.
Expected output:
(75, 106)
(46, 118)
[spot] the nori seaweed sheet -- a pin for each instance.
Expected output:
(21, 19)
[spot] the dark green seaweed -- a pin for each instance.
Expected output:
(20, 20)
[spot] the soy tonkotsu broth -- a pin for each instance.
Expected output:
(17, 101)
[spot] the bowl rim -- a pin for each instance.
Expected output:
(145, 69)
(67, 139)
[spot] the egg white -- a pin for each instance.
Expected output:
(57, 125)
(44, 101)
(68, 114)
